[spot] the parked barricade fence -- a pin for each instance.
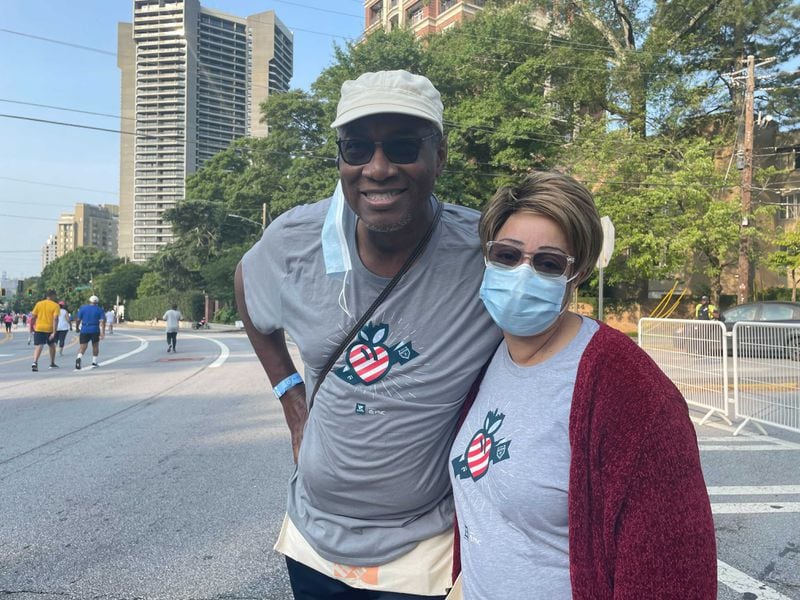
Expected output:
(694, 355)
(766, 374)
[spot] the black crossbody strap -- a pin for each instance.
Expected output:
(381, 297)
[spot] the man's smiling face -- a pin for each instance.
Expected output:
(386, 196)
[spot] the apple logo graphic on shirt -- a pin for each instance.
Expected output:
(482, 449)
(369, 358)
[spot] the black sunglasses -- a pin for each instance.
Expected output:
(400, 151)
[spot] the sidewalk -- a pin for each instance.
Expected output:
(185, 326)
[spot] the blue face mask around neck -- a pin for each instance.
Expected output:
(521, 301)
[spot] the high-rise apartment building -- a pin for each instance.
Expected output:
(49, 251)
(421, 16)
(192, 81)
(89, 225)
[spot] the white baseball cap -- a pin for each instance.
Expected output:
(397, 92)
(94, 299)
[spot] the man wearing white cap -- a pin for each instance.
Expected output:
(370, 511)
(91, 322)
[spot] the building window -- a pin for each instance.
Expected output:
(446, 4)
(375, 12)
(416, 13)
(790, 206)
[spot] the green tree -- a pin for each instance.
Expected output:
(151, 285)
(72, 275)
(787, 258)
(218, 274)
(121, 282)
(671, 206)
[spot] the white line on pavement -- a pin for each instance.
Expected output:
(742, 583)
(741, 439)
(223, 354)
(752, 448)
(143, 343)
(750, 490)
(741, 508)
(745, 434)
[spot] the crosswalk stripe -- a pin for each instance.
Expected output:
(743, 583)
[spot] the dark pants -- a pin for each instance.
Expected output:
(171, 337)
(308, 584)
(61, 337)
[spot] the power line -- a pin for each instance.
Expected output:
(68, 187)
(36, 204)
(61, 42)
(75, 110)
(26, 217)
(104, 129)
(543, 137)
(306, 154)
(325, 10)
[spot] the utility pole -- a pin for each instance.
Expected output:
(747, 182)
(263, 215)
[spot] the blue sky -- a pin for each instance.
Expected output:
(41, 165)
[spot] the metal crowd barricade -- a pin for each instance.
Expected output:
(766, 375)
(694, 355)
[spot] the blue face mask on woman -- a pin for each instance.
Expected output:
(521, 301)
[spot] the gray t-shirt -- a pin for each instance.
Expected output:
(173, 318)
(510, 473)
(372, 480)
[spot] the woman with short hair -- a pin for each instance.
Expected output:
(576, 471)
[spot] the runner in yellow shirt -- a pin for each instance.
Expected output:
(45, 321)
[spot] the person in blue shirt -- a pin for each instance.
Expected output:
(91, 322)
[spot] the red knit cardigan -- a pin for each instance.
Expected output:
(640, 524)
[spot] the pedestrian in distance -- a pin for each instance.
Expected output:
(44, 320)
(576, 468)
(8, 320)
(173, 320)
(375, 522)
(111, 319)
(64, 325)
(90, 321)
(704, 309)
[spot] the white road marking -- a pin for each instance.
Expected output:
(743, 583)
(742, 508)
(751, 490)
(744, 435)
(143, 344)
(752, 448)
(223, 354)
(740, 439)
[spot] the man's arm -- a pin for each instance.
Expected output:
(271, 350)
(103, 326)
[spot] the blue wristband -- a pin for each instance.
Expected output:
(291, 381)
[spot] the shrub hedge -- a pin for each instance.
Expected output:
(191, 304)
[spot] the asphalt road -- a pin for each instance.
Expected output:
(162, 476)
(155, 476)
